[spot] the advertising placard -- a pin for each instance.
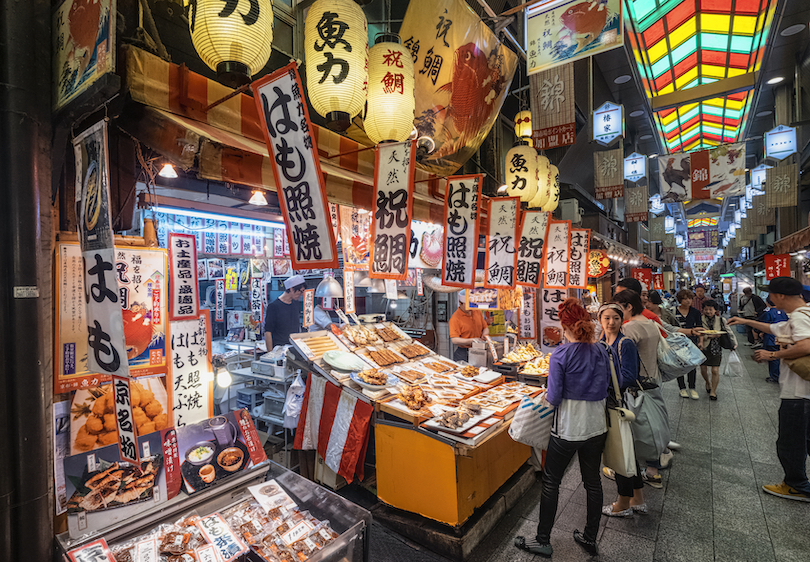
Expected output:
(501, 256)
(461, 216)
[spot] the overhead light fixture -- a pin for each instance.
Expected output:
(224, 379)
(329, 288)
(623, 79)
(792, 30)
(764, 114)
(503, 188)
(167, 171)
(377, 287)
(258, 198)
(214, 216)
(645, 137)
(637, 113)
(775, 80)
(361, 279)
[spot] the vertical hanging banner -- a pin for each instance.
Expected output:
(355, 228)
(501, 256)
(658, 281)
(256, 304)
(608, 123)
(235, 237)
(309, 308)
(557, 253)
(210, 237)
(609, 173)
(393, 210)
(533, 226)
(727, 171)
(552, 103)
(296, 168)
(657, 229)
(247, 239)
(636, 204)
(183, 270)
(578, 268)
(762, 214)
(192, 391)
(675, 178)
(333, 215)
(223, 240)
(420, 288)
(127, 440)
(635, 167)
(551, 334)
(348, 293)
(699, 164)
(258, 241)
(643, 275)
(219, 294)
(527, 320)
(780, 186)
(461, 216)
(777, 266)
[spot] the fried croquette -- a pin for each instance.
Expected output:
(108, 438)
(153, 408)
(135, 394)
(85, 441)
(139, 416)
(109, 422)
(100, 404)
(147, 396)
(160, 421)
(94, 425)
(146, 428)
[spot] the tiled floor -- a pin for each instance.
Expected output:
(712, 507)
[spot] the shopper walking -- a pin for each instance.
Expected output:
(771, 315)
(655, 304)
(688, 318)
(577, 386)
(793, 443)
(712, 349)
(751, 306)
(700, 296)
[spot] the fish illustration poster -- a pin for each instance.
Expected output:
(727, 167)
(462, 77)
(560, 31)
(141, 274)
(674, 173)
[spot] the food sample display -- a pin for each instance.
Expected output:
(361, 335)
(469, 371)
(387, 334)
(319, 345)
(373, 376)
(439, 366)
(384, 357)
(411, 376)
(503, 396)
(413, 351)
(521, 354)
(538, 366)
(458, 417)
(114, 485)
(414, 397)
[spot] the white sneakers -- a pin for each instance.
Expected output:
(684, 393)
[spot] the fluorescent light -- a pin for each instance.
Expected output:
(792, 30)
(215, 216)
(167, 171)
(637, 113)
(624, 78)
(776, 80)
(258, 198)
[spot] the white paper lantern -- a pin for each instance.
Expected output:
(234, 39)
(336, 48)
(521, 172)
(391, 101)
(523, 125)
(543, 183)
(554, 198)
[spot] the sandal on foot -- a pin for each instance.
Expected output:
(589, 546)
(641, 508)
(534, 547)
(655, 481)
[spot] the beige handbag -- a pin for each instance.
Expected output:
(619, 453)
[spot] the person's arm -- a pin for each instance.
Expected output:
(629, 363)
(761, 326)
(554, 384)
(268, 341)
(464, 342)
(799, 349)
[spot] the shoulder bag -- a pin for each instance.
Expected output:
(619, 453)
(727, 339)
(677, 355)
(532, 422)
(651, 431)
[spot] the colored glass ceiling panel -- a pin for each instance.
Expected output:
(680, 44)
(697, 223)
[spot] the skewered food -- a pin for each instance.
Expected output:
(440, 366)
(414, 397)
(385, 357)
(373, 376)
(413, 351)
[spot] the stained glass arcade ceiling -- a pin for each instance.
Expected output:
(683, 44)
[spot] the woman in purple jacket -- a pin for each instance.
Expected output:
(577, 386)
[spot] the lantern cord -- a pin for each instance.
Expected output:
(151, 28)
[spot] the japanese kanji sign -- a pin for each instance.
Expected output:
(355, 228)
(297, 170)
(635, 167)
(348, 293)
(192, 387)
(657, 229)
(780, 185)
(636, 204)
(533, 225)
(393, 209)
(699, 164)
(96, 551)
(219, 295)
(777, 266)
(218, 533)
(608, 123)
(501, 257)
(256, 299)
(461, 216)
(780, 142)
(183, 267)
(578, 265)
(557, 254)
(127, 438)
(643, 275)
(608, 177)
(552, 104)
(420, 290)
(598, 263)
(761, 214)
(550, 330)
(527, 319)
(223, 240)
(309, 308)
(658, 281)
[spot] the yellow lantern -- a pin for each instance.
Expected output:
(521, 172)
(523, 125)
(234, 38)
(543, 183)
(391, 101)
(554, 199)
(336, 49)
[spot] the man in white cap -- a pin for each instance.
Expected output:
(283, 315)
(466, 326)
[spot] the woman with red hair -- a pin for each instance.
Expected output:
(577, 385)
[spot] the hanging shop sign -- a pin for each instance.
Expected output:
(674, 178)
(703, 238)
(533, 225)
(551, 333)
(777, 266)
(420, 288)
(122, 404)
(183, 269)
(210, 237)
(348, 294)
(656, 207)
(657, 228)
(608, 123)
(635, 167)
(235, 237)
(258, 241)
(461, 216)
(296, 168)
(780, 142)
(256, 302)
(636, 204)
(223, 240)
(527, 320)
(393, 210)
(598, 263)
(727, 171)
(335, 218)
(658, 281)
(763, 214)
(501, 256)
(557, 252)
(608, 178)
(552, 103)
(643, 275)
(578, 268)
(780, 186)
(699, 166)
(355, 227)
(758, 176)
(521, 172)
(563, 31)
(247, 239)
(192, 393)
(309, 308)
(462, 78)
(219, 295)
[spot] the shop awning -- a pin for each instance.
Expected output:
(226, 143)
(793, 242)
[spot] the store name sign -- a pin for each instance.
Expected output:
(608, 123)
(780, 142)
(635, 167)
(501, 256)
(461, 216)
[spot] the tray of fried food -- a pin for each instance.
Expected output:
(387, 334)
(413, 350)
(361, 335)
(467, 372)
(414, 397)
(374, 377)
(537, 366)
(440, 366)
(504, 396)
(316, 346)
(384, 357)
(409, 375)
(459, 419)
(521, 354)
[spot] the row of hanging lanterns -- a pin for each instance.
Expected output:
(530, 175)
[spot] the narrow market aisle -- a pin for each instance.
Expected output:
(711, 507)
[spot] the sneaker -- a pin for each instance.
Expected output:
(693, 394)
(589, 546)
(608, 510)
(609, 473)
(684, 393)
(769, 379)
(654, 481)
(784, 491)
(665, 460)
(533, 546)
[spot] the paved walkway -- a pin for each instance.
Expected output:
(711, 508)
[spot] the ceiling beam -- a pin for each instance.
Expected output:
(704, 92)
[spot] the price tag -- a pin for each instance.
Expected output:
(491, 346)
(146, 551)
(207, 553)
(96, 551)
(342, 316)
(300, 530)
(391, 289)
(420, 290)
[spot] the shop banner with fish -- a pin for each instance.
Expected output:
(643, 275)
(527, 319)
(550, 329)
(598, 263)
(578, 266)
(674, 177)
(302, 194)
(461, 218)
(500, 255)
(552, 103)
(139, 284)
(462, 77)
(393, 210)
(533, 226)
(699, 166)
(191, 393)
(556, 254)
(609, 173)
(560, 31)
(183, 268)
(636, 204)
(658, 281)
(727, 168)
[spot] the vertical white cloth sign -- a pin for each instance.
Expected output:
(501, 256)
(461, 217)
(183, 270)
(556, 254)
(533, 225)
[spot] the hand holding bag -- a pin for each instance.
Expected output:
(532, 422)
(619, 453)
(677, 355)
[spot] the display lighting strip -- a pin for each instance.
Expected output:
(215, 216)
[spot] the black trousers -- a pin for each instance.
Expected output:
(793, 443)
(558, 457)
(627, 486)
(692, 378)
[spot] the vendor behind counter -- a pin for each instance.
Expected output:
(466, 326)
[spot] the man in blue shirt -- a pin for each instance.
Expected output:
(771, 315)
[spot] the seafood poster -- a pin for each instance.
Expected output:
(567, 30)
(141, 276)
(551, 335)
(355, 232)
(727, 170)
(462, 77)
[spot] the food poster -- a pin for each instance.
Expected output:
(578, 264)
(191, 393)
(481, 298)
(551, 333)
(727, 167)
(102, 491)
(141, 274)
(216, 448)
(527, 318)
(259, 267)
(427, 245)
(355, 233)
(244, 274)
(281, 268)
(92, 413)
(231, 277)
(216, 268)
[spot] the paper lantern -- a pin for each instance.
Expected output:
(543, 183)
(523, 125)
(233, 38)
(521, 172)
(554, 198)
(336, 48)
(391, 101)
